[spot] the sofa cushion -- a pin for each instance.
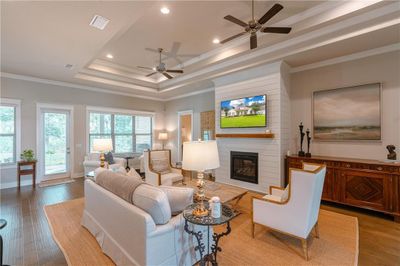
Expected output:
(168, 179)
(178, 197)
(153, 201)
(133, 173)
(161, 165)
(109, 158)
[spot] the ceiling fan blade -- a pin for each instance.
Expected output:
(232, 37)
(151, 74)
(148, 68)
(253, 41)
(167, 75)
(235, 20)
(174, 70)
(270, 13)
(282, 30)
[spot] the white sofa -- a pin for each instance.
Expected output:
(129, 235)
(156, 178)
(92, 161)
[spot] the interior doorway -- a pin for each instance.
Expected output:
(185, 130)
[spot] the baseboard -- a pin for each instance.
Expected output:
(78, 175)
(15, 184)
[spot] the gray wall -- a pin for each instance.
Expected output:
(379, 68)
(197, 103)
(31, 93)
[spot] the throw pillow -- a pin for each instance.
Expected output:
(153, 201)
(161, 166)
(135, 174)
(109, 158)
(178, 197)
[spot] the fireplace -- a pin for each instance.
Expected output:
(244, 166)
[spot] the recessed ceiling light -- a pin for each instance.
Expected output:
(164, 10)
(216, 40)
(99, 22)
(154, 69)
(110, 56)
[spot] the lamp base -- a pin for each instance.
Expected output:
(200, 211)
(102, 159)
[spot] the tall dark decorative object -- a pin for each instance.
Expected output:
(301, 152)
(308, 154)
(392, 154)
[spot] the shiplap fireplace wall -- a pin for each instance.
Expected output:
(273, 81)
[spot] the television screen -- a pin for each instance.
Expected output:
(244, 112)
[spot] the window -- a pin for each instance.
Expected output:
(130, 133)
(9, 131)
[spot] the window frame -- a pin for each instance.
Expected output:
(113, 112)
(16, 103)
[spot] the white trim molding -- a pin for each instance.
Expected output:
(39, 139)
(17, 104)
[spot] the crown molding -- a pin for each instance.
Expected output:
(347, 58)
(75, 86)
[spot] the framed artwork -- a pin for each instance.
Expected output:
(348, 114)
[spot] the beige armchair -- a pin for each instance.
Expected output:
(292, 210)
(158, 168)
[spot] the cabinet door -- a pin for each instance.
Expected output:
(364, 189)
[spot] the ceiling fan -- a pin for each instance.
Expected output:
(253, 26)
(161, 68)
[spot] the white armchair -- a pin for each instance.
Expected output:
(293, 210)
(153, 175)
(92, 161)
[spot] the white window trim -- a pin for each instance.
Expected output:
(17, 104)
(118, 111)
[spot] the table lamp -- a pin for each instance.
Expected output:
(163, 136)
(200, 156)
(102, 146)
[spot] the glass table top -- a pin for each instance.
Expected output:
(227, 214)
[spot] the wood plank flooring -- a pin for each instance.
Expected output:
(28, 240)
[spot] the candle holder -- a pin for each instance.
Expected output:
(302, 134)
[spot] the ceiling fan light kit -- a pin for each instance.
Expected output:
(253, 26)
(161, 68)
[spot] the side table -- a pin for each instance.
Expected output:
(127, 168)
(227, 215)
(31, 171)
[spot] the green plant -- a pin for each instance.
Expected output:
(28, 155)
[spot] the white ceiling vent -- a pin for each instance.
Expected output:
(99, 22)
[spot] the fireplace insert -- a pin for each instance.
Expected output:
(244, 166)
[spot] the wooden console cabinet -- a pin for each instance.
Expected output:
(362, 183)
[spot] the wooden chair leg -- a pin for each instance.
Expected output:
(305, 248)
(253, 225)
(316, 230)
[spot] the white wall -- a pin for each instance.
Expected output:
(31, 93)
(267, 80)
(197, 103)
(383, 68)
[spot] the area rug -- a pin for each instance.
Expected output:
(337, 245)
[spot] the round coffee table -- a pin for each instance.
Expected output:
(227, 215)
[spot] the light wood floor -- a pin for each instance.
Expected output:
(28, 240)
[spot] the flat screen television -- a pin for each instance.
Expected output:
(244, 112)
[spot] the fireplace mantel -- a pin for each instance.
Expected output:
(247, 135)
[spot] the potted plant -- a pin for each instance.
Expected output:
(28, 155)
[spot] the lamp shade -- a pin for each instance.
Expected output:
(200, 155)
(102, 145)
(163, 136)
